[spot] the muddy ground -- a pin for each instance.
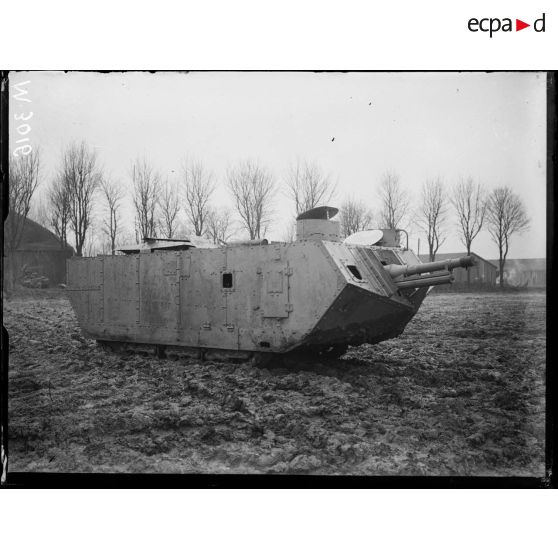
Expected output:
(461, 392)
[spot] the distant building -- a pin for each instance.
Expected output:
(482, 274)
(41, 251)
(524, 272)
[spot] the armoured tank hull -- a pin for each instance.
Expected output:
(317, 296)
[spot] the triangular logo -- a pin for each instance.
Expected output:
(519, 25)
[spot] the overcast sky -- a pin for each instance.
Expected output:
(420, 125)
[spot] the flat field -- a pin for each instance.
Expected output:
(461, 392)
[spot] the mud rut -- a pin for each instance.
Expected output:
(460, 392)
(189, 355)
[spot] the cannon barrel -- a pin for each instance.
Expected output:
(406, 270)
(426, 281)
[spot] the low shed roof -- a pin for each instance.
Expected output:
(526, 264)
(36, 238)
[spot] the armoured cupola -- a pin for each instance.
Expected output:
(316, 224)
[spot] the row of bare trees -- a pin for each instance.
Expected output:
(70, 197)
(252, 188)
(501, 212)
(157, 203)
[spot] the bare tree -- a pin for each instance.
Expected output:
(147, 187)
(170, 208)
(113, 194)
(58, 199)
(354, 216)
(395, 201)
(218, 227)
(432, 215)
(199, 185)
(24, 176)
(253, 189)
(469, 202)
(506, 216)
(39, 210)
(308, 186)
(81, 176)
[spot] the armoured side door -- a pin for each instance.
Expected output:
(121, 291)
(275, 296)
(159, 275)
(85, 286)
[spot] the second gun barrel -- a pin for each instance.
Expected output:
(425, 281)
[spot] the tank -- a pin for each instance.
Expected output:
(248, 300)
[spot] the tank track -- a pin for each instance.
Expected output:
(198, 354)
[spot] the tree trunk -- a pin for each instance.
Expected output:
(468, 269)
